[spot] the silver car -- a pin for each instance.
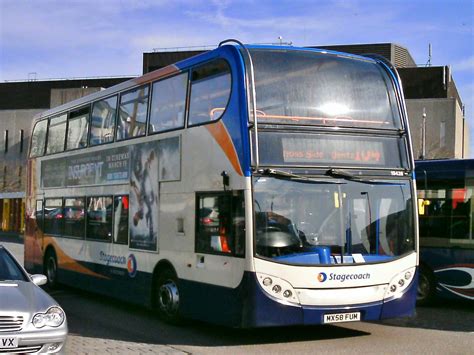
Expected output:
(31, 321)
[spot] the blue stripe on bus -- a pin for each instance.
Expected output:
(244, 306)
(249, 306)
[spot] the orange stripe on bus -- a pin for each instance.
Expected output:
(156, 74)
(222, 137)
(68, 263)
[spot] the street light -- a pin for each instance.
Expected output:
(423, 136)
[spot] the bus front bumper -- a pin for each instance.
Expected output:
(264, 311)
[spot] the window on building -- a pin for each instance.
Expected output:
(38, 139)
(131, 120)
(99, 218)
(53, 216)
(78, 128)
(5, 140)
(74, 221)
(121, 204)
(220, 223)
(21, 137)
(168, 104)
(210, 91)
(442, 135)
(56, 134)
(103, 121)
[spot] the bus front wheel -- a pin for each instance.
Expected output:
(167, 296)
(51, 268)
(426, 287)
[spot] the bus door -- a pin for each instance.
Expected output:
(220, 241)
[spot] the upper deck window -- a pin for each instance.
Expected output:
(56, 134)
(168, 104)
(132, 113)
(38, 139)
(309, 88)
(103, 121)
(210, 91)
(77, 129)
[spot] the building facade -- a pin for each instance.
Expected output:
(19, 103)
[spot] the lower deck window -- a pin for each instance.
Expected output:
(99, 218)
(74, 217)
(121, 204)
(53, 216)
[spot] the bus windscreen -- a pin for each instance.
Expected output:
(312, 88)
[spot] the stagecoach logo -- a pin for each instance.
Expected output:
(132, 265)
(342, 277)
(110, 259)
(131, 262)
(322, 277)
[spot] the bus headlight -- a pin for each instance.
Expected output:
(53, 317)
(277, 288)
(399, 284)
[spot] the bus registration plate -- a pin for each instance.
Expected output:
(341, 317)
(8, 343)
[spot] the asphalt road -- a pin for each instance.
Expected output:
(447, 328)
(100, 325)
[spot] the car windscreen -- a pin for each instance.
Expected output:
(9, 269)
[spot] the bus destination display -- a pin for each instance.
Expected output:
(305, 150)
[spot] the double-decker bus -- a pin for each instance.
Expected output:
(247, 186)
(446, 218)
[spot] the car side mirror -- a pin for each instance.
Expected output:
(39, 279)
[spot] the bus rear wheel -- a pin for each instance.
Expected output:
(51, 269)
(167, 299)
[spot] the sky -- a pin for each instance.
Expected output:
(97, 38)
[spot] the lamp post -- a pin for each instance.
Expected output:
(423, 136)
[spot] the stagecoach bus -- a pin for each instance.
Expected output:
(446, 217)
(247, 186)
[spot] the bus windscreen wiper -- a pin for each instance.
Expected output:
(291, 176)
(341, 173)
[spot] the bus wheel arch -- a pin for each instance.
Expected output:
(165, 292)
(50, 267)
(426, 286)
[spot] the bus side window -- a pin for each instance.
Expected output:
(73, 214)
(131, 121)
(220, 223)
(78, 127)
(99, 218)
(53, 216)
(210, 92)
(56, 134)
(103, 121)
(121, 204)
(168, 103)
(38, 139)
